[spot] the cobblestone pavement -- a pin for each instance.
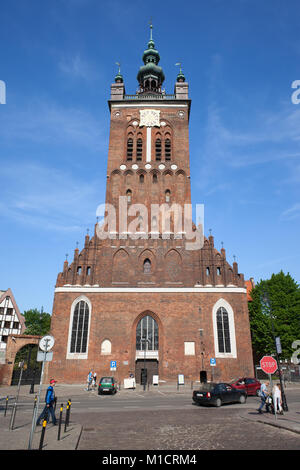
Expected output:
(162, 419)
(199, 429)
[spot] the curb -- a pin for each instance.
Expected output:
(277, 424)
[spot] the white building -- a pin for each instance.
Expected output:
(11, 320)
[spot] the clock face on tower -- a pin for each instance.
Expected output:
(149, 117)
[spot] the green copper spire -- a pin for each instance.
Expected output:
(180, 76)
(150, 75)
(119, 77)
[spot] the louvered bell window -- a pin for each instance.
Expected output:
(168, 149)
(139, 149)
(129, 149)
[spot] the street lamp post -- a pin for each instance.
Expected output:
(268, 304)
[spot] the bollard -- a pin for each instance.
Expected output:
(60, 421)
(43, 432)
(66, 420)
(69, 413)
(6, 405)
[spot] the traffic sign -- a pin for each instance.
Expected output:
(213, 362)
(268, 364)
(46, 343)
(113, 365)
(44, 356)
(278, 345)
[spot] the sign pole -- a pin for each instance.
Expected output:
(35, 413)
(46, 343)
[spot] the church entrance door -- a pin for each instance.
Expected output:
(151, 366)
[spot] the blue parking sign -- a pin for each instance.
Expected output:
(213, 361)
(113, 365)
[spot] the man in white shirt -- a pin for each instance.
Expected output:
(263, 395)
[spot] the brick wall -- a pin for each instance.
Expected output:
(114, 316)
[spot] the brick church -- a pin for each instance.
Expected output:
(141, 295)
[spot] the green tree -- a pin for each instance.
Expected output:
(280, 316)
(36, 322)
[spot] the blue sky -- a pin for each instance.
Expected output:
(57, 59)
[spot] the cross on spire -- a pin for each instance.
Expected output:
(180, 68)
(151, 27)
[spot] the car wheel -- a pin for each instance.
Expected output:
(218, 402)
(242, 399)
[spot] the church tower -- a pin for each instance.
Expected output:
(148, 290)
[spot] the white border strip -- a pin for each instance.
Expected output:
(90, 289)
(150, 105)
(148, 149)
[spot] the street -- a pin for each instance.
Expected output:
(162, 420)
(158, 421)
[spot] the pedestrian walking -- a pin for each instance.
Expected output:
(277, 400)
(263, 395)
(95, 380)
(89, 380)
(49, 406)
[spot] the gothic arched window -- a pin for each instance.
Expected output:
(147, 266)
(158, 149)
(139, 149)
(223, 331)
(168, 149)
(80, 325)
(129, 148)
(129, 195)
(168, 195)
(147, 334)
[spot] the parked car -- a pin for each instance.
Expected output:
(107, 385)
(217, 394)
(249, 384)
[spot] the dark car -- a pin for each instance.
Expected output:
(217, 394)
(249, 384)
(107, 385)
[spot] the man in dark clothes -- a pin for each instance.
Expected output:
(49, 406)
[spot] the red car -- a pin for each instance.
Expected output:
(249, 384)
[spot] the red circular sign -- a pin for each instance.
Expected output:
(268, 364)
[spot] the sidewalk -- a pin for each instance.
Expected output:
(289, 421)
(18, 438)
